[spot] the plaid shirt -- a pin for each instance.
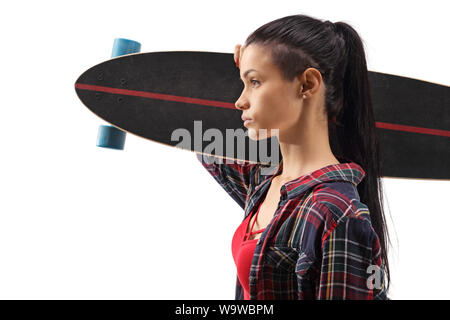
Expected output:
(320, 243)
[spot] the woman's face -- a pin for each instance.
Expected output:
(267, 99)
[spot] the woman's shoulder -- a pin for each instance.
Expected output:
(340, 199)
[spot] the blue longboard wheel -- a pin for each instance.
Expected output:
(109, 136)
(124, 46)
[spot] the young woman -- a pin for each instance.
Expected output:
(314, 228)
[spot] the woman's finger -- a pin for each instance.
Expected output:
(237, 54)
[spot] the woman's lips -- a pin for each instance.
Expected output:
(246, 119)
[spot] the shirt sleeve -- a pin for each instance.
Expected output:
(237, 177)
(350, 265)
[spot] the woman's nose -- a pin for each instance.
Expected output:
(239, 105)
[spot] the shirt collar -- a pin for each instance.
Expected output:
(348, 171)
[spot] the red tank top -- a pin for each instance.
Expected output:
(243, 250)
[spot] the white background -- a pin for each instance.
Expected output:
(82, 222)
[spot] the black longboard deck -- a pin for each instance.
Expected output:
(155, 93)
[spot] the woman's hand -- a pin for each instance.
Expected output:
(237, 54)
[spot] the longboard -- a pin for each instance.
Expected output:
(167, 96)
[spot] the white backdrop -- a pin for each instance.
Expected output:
(82, 222)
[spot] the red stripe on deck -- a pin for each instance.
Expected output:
(400, 127)
(145, 94)
(168, 97)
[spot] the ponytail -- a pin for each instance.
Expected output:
(356, 132)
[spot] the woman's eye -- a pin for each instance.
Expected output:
(251, 81)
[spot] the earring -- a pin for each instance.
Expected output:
(304, 96)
